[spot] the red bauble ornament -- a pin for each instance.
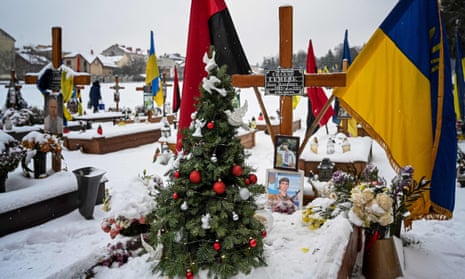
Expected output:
(177, 174)
(247, 181)
(217, 245)
(236, 170)
(175, 196)
(99, 130)
(195, 176)
(264, 233)
(211, 125)
(189, 274)
(219, 187)
(253, 178)
(252, 243)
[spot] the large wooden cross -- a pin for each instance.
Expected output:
(285, 61)
(116, 87)
(81, 79)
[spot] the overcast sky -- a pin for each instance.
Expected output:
(98, 24)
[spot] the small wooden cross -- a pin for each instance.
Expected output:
(148, 90)
(13, 82)
(285, 61)
(165, 86)
(116, 87)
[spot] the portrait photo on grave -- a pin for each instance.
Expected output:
(284, 190)
(286, 152)
(53, 121)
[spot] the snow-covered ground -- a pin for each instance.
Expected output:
(67, 246)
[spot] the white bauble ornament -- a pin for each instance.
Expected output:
(235, 217)
(206, 221)
(244, 193)
(184, 206)
(214, 159)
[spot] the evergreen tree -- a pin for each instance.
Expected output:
(205, 216)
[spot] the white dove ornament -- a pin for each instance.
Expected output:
(154, 254)
(235, 117)
(210, 63)
(209, 84)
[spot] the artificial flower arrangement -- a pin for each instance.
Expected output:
(334, 199)
(405, 191)
(372, 208)
(133, 225)
(11, 153)
(367, 201)
(42, 142)
(36, 144)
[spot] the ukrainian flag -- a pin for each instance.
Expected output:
(152, 74)
(67, 85)
(459, 80)
(399, 87)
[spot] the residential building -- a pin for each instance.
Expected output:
(7, 55)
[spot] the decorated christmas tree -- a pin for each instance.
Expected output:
(204, 218)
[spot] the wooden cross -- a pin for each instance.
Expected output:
(164, 88)
(148, 89)
(81, 79)
(13, 82)
(116, 87)
(285, 61)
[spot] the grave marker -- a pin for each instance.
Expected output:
(285, 60)
(116, 87)
(55, 85)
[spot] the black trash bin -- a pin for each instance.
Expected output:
(88, 179)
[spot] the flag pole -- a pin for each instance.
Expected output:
(265, 114)
(320, 114)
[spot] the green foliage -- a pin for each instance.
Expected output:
(187, 237)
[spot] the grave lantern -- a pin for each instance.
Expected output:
(325, 169)
(166, 131)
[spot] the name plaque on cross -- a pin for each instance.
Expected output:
(284, 82)
(147, 89)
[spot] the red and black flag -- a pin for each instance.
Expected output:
(316, 95)
(210, 25)
(176, 94)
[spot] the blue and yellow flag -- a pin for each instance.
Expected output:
(400, 88)
(67, 85)
(152, 74)
(459, 80)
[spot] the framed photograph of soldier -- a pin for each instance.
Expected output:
(284, 190)
(286, 152)
(53, 109)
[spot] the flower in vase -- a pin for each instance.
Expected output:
(405, 191)
(42, 142)
(372, 207)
